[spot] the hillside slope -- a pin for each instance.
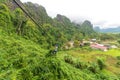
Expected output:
(22, 59)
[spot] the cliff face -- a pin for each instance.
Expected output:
(11, 4)
(62, 18)
(38, 12)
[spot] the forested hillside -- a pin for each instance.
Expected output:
(25, 46)
(59, 30)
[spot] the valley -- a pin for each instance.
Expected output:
(45, 48)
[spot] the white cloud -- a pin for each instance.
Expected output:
(105, 12)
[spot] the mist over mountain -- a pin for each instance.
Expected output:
(107, 30)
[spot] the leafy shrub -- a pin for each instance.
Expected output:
(68, 59)
(102, 76)
(118, 41)
(118, 57)
(101, 63)
(3, 64)
(76, 43)
(2, 1)
(118, 63)
(24, 74)
(118, 76)
(93, 67)
(19, 63)
(50, 69)
(106, 76)
(5, 18)
(86, 44)
(87, 48)
(81, 65)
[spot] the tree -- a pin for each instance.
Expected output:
(5, 18)
(19, 20)
(77, 43)
(2, 1)
(118, 41)
(29, 30)
(107, 37)
(101, 63)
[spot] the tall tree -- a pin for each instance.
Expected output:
(5, 17)
(19, 20)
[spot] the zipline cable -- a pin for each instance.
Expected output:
(30, 16)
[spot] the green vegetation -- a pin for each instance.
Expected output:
(102, 64)
(25, 48)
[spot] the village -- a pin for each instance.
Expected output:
(103, 47)
(92, 43)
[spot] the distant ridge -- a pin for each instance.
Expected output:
(108, 30)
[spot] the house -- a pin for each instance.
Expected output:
(114, 47)
(99, 46)
(93, 40)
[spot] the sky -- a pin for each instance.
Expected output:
(102, 13)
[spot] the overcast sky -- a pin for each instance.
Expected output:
(103, 13)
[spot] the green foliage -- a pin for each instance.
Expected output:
(2, 1)
(3, 7)
(38, 12)
(118, 41)
(87, 44)
(19, 20)
(68, 59)
(19, 63)
(77, 43)
(24, 74)
(107, 37)
(101, 63)
(29, 30)
(86, 48)
(118, 57)
(25, 60)
(105, 76)
(5, 18)
(118, 64)
(50, 69)
(87, 29)
(94, 67)
(59, 30)
(81, 64)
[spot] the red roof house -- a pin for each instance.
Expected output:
(99, 46)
